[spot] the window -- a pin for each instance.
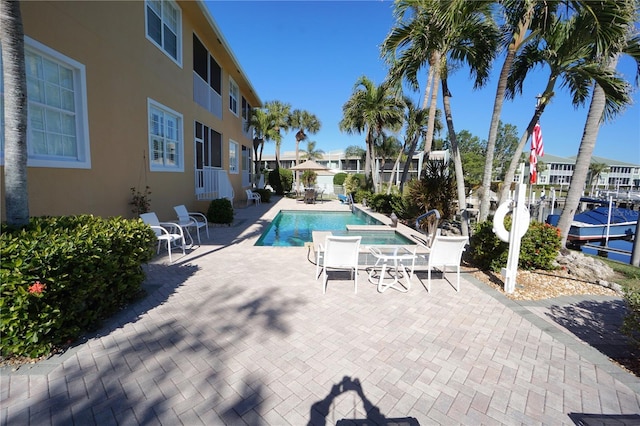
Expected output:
(205, 66)
(165, 138)
(234, 94)
(233, 157)
(246, 110)
(58, 130)
(164, 22)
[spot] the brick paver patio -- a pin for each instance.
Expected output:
(237, 334)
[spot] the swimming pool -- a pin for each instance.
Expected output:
(292, 228)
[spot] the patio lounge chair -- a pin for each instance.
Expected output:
(165, 231)
(339, 253)
(187, 219)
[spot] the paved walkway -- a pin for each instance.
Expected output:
(242, 335)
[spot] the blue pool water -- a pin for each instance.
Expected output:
(294, 228)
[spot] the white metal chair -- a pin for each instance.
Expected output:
(446, 251)
(165, 231)
(253, 196)
(187, 219)
(339, 253)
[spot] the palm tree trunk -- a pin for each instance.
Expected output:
(493, 134)
(515, 160)
(497, 110)
(393, 171)
(15, 114)
(457, 160)
(432, 106)
(583, 160)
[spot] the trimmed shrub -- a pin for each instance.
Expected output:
(361, 194)
(539, 247)
(62, 276)
(338, 178)
(265, 195)
(220, 211)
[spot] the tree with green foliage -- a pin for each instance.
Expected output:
(311, 153)
(371, 109)
(306, 123)
(609, 29)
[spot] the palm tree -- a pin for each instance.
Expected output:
(613, 25)
(279, 113)
(311, 153)
(523, 20)
(260, 122)
(415, 39)
(389, 147)
(371, 109)
(416, 128)
(15, 114)
(305, 122)
(595, 170)
(566, 50)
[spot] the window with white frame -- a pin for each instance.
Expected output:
(233, 157)
(57, 130)
(234, 95)
(163, 19)
(166, 145)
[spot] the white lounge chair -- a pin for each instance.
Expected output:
(165, 231)
(339, 253)
(187, 219)
(446, 251)
(253, 196)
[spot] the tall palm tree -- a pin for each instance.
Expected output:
(416, 127)
(614, 29)
(389, 147)
(260, 122)
(15, 114)
(595, 170)
(522, 21)
(311, 153)
(412, 45)
(371, 109)
(305, 122)
(279, 113)
(566, 49)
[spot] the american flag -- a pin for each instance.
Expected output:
(537, 150)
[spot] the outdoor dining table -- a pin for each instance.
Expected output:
(393, 260)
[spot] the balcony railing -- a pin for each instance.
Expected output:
(206, 97)
(212, 184)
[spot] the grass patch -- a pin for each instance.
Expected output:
(629, 275)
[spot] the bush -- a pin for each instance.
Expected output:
(361, 194)
(281, 180)
(265, 195)
(353, 182)
(338, 178)
(220, 211)
(631, 322)
(62, 276)
(539, 247)
(309, 178)
(383, 203)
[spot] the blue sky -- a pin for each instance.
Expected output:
(310, 54)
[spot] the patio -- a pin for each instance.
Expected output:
(238, 334)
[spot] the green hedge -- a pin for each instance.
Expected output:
(539, 247)
(61, 276)
(631, 322)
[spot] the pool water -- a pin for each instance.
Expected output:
(294, 228)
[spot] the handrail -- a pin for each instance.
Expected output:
(432, 227)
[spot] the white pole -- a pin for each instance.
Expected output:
(606, 241)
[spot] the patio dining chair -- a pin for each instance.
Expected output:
(339, 253)
(187, 219)
(446, 251)
(165, 231)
